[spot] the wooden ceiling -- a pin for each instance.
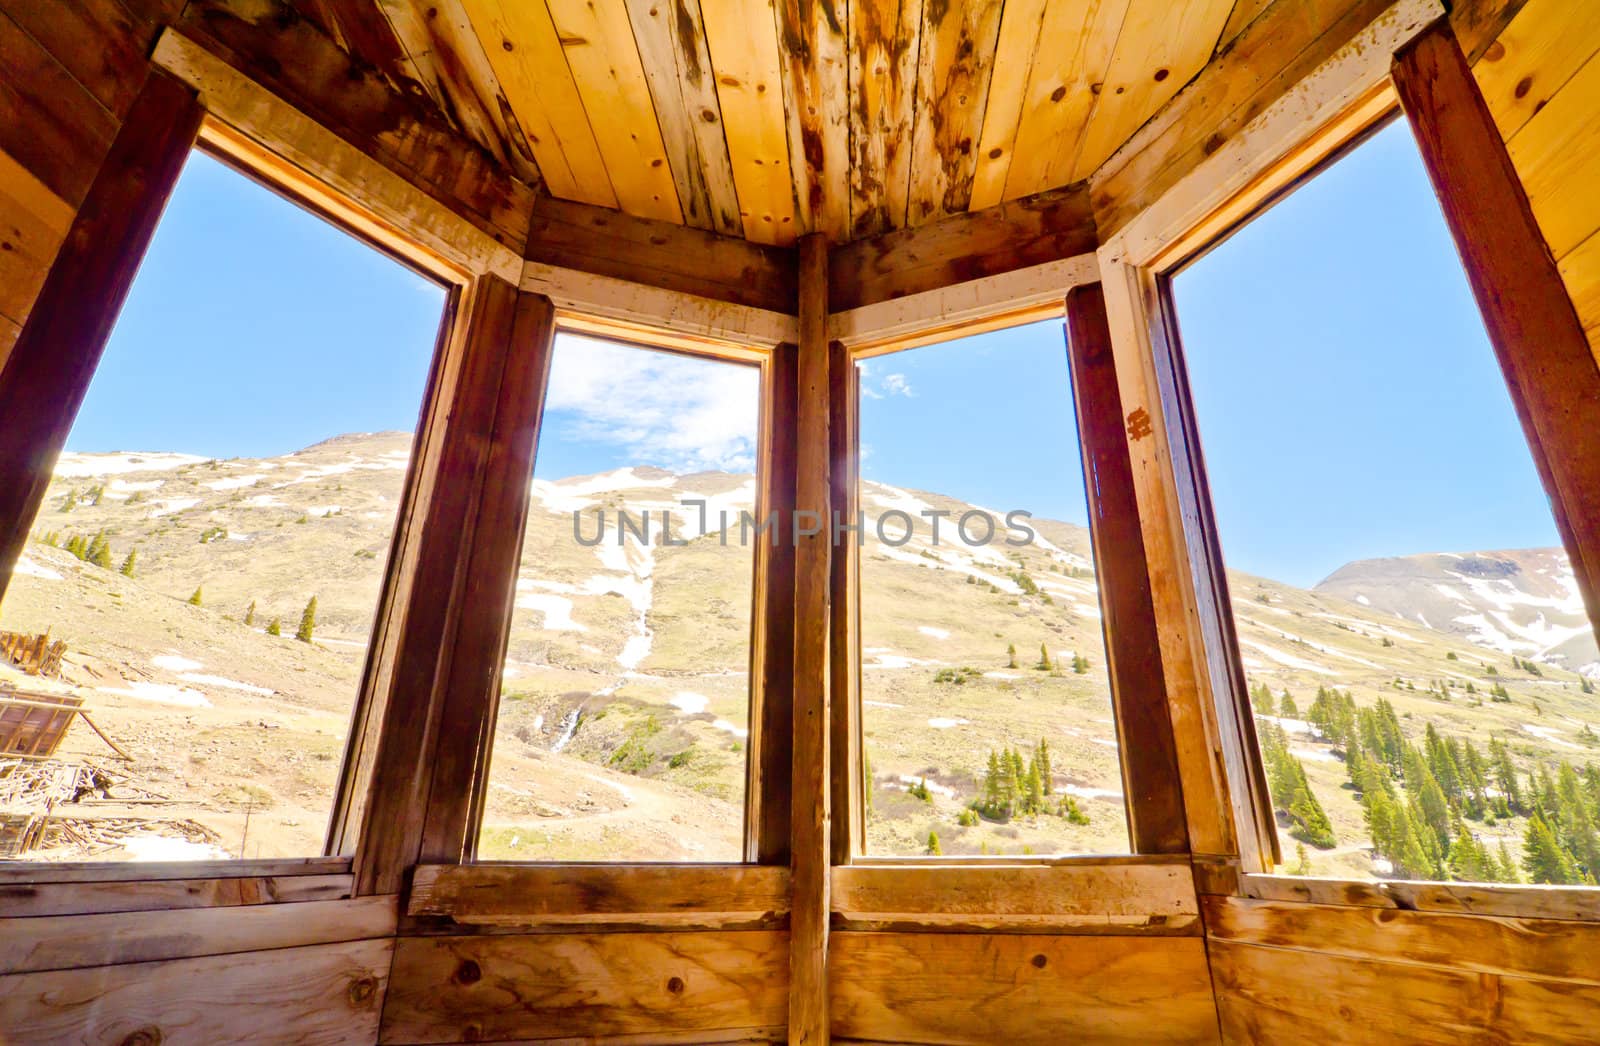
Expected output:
(769, 118)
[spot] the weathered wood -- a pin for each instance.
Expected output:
(136, 895)
(771, 770)
(660, 254)
(101, 43)
(1502, 899)
(56, 943)
(962, 247)
(412, 707)
(49, 368)
(1479, 23)
(955, 60)
(811, 792)
(883, 94)
(1157, 897)
(32, 872)
(1533, 60)
(1151, 780)
(849, 830)
(1532, 324)
(33, 224)
(482, 625)
(327, 993)
(574, 895)
(960, 988)
(658, 986)
(812, 41)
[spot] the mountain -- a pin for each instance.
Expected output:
(623, 725)
(1524, 602)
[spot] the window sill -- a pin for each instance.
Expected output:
(44, 889)
(1578, 903)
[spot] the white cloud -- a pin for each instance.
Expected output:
(665, 409)
(897, 385)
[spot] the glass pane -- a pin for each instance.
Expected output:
(1410, 626)
(625, 699)
(211, 548)
(986, 707)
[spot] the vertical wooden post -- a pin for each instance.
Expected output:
(1150, 772)
(1532, 323)
(811, 795)
(844, 622)
(50, 366)
(771, 768)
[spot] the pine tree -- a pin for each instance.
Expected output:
(1044, 664)
(1302, 866)
(1042, 759)
(250, 614)
(128, 563)
(1011, 655)
(1543, 856)
(70, 501)
(194, 600)
(308, 621)
(274, 628)
(1080, 664)
(933, 844)
(1287, 707)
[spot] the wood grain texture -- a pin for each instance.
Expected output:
(49, 368)
(1151, 779)
(1017, 47)
(883, 94)
(329, 993)
(1532, 324)
(658, 986)
(772, 767)
(962, 247)
(33, 224)
(812, 42)
(955, 60)
(1555, 156)
(677, 64)
(1501, 899)
(849, 830)
(960, 988)
(67, 898)
(56, 943)
(571, 895)
(101, 44)
(1533, 59)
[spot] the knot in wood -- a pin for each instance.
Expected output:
(675, 985)
(150, 1036)
(361, 990)
(468, 972)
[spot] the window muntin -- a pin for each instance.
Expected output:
(623, 725)
(1435, 725)
(240, 452)
(954, 634)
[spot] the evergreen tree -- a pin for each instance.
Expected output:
(1302, 866)
(1543, 856)
(1042, 759)
(1080, 664)
(1261, 698)
(308, 621)
(1011, 655)
(274, 628)
(128, 563)
(1044, 664)
(1287, 707)
(69, 501)
(194, 600)
(250, 614)
(933, 844)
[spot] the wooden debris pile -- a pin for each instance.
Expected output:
(34, 654)
(79, 810)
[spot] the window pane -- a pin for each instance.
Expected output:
(986, 707)
(230, 486)
(624, 712)
(1409, 624)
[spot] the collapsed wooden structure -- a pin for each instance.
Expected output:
(802, 184)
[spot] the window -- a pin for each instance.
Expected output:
(1414, 641)
(985, 702)
(623, 726)
(208, 558)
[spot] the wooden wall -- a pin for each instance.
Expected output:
(1541, 78)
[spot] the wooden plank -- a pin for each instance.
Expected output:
(659, 254)
(49, 123)
(529, 895)
(1020, 43)
(49, 368)
(326, 993)
(1244, 12)
(598, 42)
(677, 64)
(135, 895)
(54, 943)
(962, 247)
(585, 986)
(849, 829)
(1159, 49)
(812, 42)
(1547, 948)
(743, 42)
(1151, 779)
(1533, 59)
(526, 56)
(1580, 271)
(811, 791)
(403, 133)
(100, 43)
(1275, 995)
(1479, 23)
(33, 223)
(1500, 899)
(1537, 337)
(1555, 155)
(883, 93)
(392, 827)
(1084, 899)
(955, 59)
(482, 625)
(960, 988)
(31, 872)
(771, 769)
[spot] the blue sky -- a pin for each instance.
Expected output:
(1349, 403)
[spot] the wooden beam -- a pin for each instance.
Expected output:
(849, 830)
(771, 769)
(1532, 324)
(155, 893)
(811, 792)
(1151, 780)
(961, 247)
(1520, 901)
(49, 369)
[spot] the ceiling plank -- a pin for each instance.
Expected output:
(521, 44)
(883, 93)
(1244, 12)
(1020, 41)
(672, 43)
(1160, 48)
(811, 36)
(1536, 55)
(954, 63)
(604, 59)
(743, 41)
(1060, 96)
